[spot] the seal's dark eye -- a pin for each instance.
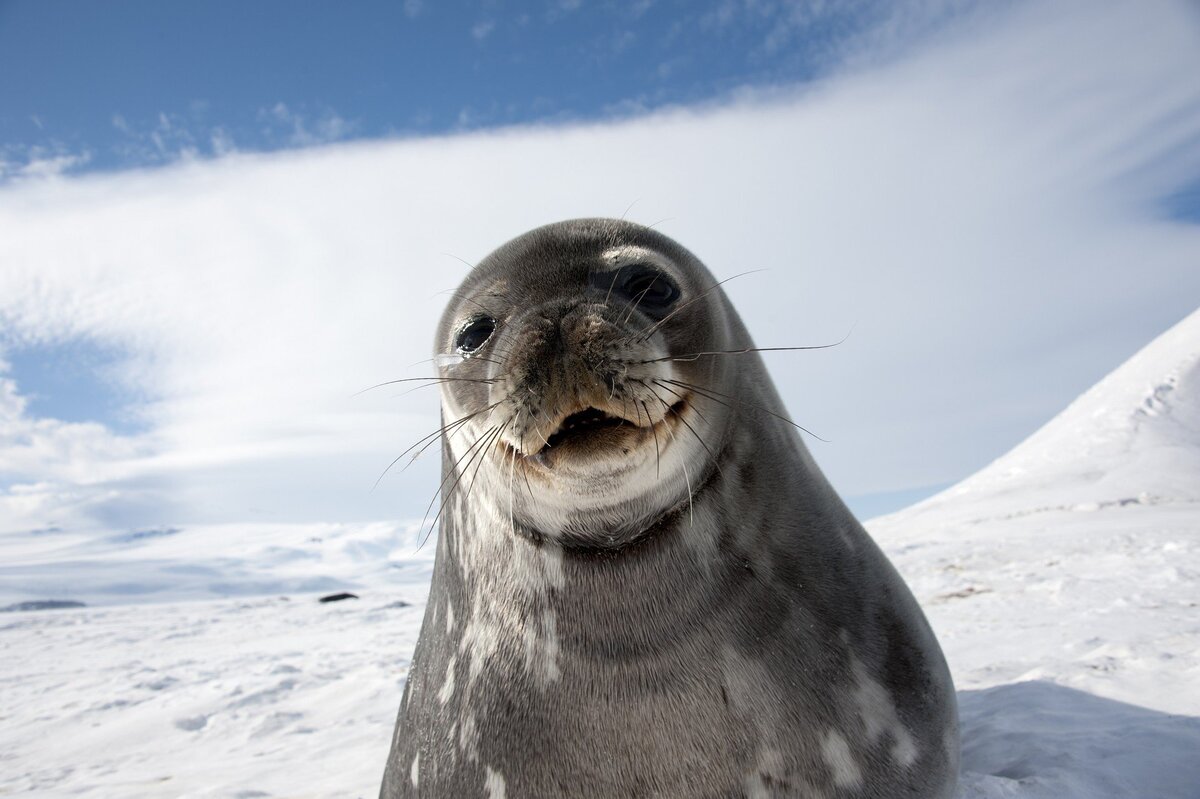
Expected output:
(649, 289)
(475, 333)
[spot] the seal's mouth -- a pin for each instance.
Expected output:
(592, 432)
(583, 424)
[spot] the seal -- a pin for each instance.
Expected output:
(643, 584)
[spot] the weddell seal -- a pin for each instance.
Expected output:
(643, 585)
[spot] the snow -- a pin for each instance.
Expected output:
(209, 561)
(1061, 579)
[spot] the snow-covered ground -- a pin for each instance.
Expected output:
(1062, 580)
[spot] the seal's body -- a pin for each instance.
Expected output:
(644, 586)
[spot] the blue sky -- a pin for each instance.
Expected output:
(74, 381)
(224, 219)
(124, 83)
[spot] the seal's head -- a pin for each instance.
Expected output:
(571, 367)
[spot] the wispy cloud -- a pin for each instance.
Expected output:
(482, 29)
(170, 138)
(302, 130)
(830, 34)
(985, 209)
(166, 138)
(20, 163)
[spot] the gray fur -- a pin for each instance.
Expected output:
(683, 620)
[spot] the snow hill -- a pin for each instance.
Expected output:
(1132, 439)
(1062, 581)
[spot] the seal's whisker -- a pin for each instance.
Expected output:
(528, 487)
(428, 440)
(451, 473)
(449, 427)
(449, 430)
(636, 302)
(657, 455)
(687, 479)
(483, 456)
(512, 467)
(678, 396)
(705, 392)
(414, 388)
(636, 410)
(649, 331)
(428, 380)
(436, 360)
(712, 455)
(454, 292)
(461, 260)
(448, 493)
(549, 422)
(693, 356)
(611, 285)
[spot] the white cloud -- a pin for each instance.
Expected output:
(302, 130)
(482, 29)
(167, 137)
(171, 137)
(981, 212)
(39, 162)
(221, 142)
(62, 474)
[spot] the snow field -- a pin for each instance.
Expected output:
(1062, 581)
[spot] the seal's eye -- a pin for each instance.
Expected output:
(475, 333)
(649, 289)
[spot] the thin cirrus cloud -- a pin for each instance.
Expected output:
(984, 214)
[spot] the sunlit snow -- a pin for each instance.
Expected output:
(1062, 581)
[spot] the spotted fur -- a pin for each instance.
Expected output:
(697, 616)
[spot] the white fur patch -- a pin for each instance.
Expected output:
(755, 788)
(541, 647)
(447, 690)
(414, 773)
(904, 751)
(468, 738)
(494, 783)
(879, 716)
(770, 764)
(838, 757)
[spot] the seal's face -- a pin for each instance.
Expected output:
(570, 368)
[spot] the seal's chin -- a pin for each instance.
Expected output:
(594, 436)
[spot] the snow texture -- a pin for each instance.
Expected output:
(1061, 580)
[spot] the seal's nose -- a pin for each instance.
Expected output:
(563, 359)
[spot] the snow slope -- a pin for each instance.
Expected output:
(1132, 439)
(1062, 581)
